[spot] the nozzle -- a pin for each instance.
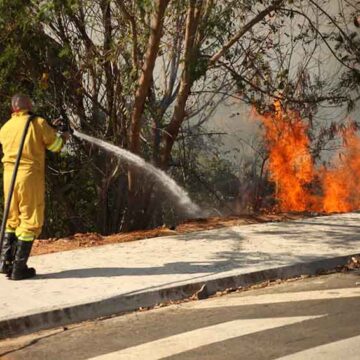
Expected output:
(62, 125)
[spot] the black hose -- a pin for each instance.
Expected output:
(13, 179)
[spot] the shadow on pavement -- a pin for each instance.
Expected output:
(231, 261)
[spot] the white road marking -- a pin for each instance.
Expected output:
(348, 349)
(274, 298)
(190, 340)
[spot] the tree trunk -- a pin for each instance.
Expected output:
(146, 75)
(172, 130)
(136, 192)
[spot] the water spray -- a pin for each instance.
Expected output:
(180, 196)
(175, 191)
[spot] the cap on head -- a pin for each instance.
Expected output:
(20, 102)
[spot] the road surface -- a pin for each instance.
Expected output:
(316, 318)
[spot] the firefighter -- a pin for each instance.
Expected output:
(26, 213)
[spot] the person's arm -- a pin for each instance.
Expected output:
(64, 135)
(52, 140)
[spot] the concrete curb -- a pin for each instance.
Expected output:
(124, 303)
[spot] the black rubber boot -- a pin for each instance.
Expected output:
(7, 253)
(20, 270)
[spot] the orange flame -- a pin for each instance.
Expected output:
(292, 169)
(290, 163)
(341, 184)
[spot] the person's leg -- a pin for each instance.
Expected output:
(31, 205)
(8, 250)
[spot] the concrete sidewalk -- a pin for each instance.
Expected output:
(89, 283)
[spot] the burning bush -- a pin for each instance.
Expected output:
(299, 184)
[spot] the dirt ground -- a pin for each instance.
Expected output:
(78, 241)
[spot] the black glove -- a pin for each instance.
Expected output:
(62, 125)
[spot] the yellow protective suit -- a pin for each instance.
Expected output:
(26, 215)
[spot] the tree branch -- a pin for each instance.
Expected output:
(132, 21)
(245, 29)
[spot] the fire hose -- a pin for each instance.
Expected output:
(62, 127)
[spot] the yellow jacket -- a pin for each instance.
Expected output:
(40, 136)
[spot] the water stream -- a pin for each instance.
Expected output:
(176, 192)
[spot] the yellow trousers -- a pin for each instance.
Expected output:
(26, 215)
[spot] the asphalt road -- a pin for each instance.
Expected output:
(316, 318)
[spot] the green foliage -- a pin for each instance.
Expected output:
(69, 210)
(198, 67)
